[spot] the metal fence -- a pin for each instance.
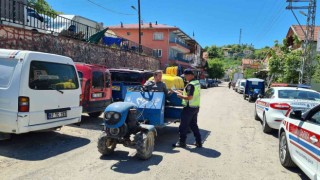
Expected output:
(17, 13)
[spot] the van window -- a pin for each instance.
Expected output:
(47, 75)
(97, 80)
(7, 67)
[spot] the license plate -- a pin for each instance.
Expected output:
(116, 88)
(97, 95)
(55, 115)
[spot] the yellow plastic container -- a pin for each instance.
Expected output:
(172, 81)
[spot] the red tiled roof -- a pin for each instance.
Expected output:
(246, 61)
(143, 26)
(298, 31)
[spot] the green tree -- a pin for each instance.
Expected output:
(214, 52)
(42, 7)
(249, 73)
(316, 75)
(215, 69)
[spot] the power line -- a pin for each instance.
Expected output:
(110, 10)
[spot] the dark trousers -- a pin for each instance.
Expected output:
(189, 118)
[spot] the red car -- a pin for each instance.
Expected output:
(96, 88)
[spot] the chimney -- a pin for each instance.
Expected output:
(121, 24)
(150, 24)
(156, 22)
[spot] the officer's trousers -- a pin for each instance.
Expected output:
(189, 118)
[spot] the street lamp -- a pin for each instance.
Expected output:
(139, 19)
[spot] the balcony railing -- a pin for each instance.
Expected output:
(176, 40)
(15, 13)
(180, 58)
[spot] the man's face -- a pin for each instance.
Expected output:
(188, 77)
(158, 77)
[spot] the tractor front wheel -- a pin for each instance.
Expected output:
(144, 144)
(106, 145)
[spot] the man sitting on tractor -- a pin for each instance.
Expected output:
(156, 84)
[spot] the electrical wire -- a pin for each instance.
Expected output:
(110, 10)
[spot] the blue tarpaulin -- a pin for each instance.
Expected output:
(111, 40)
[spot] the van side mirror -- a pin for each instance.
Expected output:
(296, 115)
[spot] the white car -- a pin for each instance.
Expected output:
(278, 101)
(241, 86)
(299, 141)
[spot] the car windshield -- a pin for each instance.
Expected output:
(202, 81)
(298, 94)
(243, 84)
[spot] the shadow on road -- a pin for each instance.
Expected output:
(40, 145)
(88, 122)
(206, 152)
(131, 165)
(298, 171)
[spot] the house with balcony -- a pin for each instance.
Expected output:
(169, 43)
(295, 36)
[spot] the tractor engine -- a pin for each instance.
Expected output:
(130, 126)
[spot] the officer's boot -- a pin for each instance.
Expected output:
(179, 144)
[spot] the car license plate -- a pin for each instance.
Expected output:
(55, 115)
(97, 95)
(116, 88)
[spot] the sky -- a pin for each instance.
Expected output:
(213, 22)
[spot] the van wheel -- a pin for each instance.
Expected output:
(284, 154)
(95, 114)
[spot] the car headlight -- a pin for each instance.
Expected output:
(116, 116)
(108, 115)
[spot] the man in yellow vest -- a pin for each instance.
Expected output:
(191, 102)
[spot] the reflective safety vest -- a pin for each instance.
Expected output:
(195, 101)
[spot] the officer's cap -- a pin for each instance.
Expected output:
(188, 71)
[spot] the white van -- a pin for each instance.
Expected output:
(242, 86)
(37, 91)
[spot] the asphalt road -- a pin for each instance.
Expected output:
(234, 148)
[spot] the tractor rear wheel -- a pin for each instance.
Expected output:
(144, 144)
(106, 145)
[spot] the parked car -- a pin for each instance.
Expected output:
(211, 83)
(95, 83)
(241, 86)
(299, 137)
(236, 85)
(126, 79)
(279, 101)
(38, 91)
(203, 83)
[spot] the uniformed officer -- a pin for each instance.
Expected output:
(191, 102)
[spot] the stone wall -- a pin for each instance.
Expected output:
(79, 51)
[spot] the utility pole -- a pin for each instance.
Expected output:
(240, 36)
(139, 26)
(305, 71)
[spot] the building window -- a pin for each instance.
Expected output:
(158, 36)
(157, 52)
(141, 33)
(128, 33)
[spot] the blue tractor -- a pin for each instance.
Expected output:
(133, 122)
